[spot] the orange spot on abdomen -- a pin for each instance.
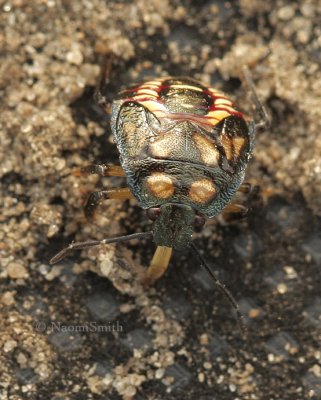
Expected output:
(160, 185)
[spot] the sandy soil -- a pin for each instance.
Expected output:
(86, 328)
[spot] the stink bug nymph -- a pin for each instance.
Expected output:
(184, 147)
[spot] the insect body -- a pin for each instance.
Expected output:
(184, 147)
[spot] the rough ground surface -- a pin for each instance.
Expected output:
(179, 339)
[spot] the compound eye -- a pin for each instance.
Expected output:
(153, 213)
(199, 221)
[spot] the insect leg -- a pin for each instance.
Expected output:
(234, 211)
(96, 197)
(249, 188)
(100, 91)
(158, 265)
(264, 121)
(102, 170)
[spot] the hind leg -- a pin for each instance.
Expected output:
(235, 211)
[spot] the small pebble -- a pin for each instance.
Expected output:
(16, 270)
(254, 313)
(201, 377)
(282, 288)
(207, 365)
(9, 345)
(286, 13)
(7, 298)
(75, 56)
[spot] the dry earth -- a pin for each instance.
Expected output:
(86, 328)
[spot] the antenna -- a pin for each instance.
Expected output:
(223, 289)
(90, 243)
